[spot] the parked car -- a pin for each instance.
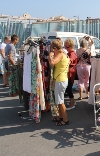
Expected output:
(74, 36)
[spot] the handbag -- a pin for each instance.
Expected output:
(54, 80)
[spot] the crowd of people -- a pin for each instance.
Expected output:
(67, 66)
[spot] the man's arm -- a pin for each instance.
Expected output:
(2, 53)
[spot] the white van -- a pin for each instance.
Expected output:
(73, 35)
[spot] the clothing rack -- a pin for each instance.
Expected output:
(96, 105)
(94, 86)
(32, 43)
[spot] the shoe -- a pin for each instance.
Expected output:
(86, 97)
(6, 85)
(70, 108)
(57, 119)
(62, 123)
(68, 104)
(79, 98)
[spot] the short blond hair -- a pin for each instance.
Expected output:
(70, 42)
(57, 43)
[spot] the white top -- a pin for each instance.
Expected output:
(65, 51)
(93, 53)
(2, 46)
(27, 73)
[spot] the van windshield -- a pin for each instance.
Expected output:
(73, 38)
(51, 38)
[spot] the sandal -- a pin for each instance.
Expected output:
(86, 97)
(57, 119)
(5, 85)
(62, 123)
(79, 98)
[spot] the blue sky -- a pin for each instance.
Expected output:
(48, 8)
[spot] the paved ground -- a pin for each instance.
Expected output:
(20, 137)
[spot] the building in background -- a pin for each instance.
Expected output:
(25, 26)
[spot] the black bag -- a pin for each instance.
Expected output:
(6, 65)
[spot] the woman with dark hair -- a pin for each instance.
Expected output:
(69, 45)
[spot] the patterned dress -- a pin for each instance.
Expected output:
(45, 71)
(34, 103)
(54, 107)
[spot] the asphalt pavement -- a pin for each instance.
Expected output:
(23, 137)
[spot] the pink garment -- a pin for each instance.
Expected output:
(83, 73)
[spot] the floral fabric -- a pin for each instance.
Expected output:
(13, 82)
(34, 103)
(45, 71)
(54, 107)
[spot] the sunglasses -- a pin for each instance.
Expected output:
(67, 47)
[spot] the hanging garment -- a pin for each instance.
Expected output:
(42, 99)
(37, 101)
(54, 107)
(95, 77)
(44, 54)
(27, 73)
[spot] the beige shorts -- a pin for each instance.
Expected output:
(59, 91)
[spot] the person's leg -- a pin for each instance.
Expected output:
(80, 80)
(4, 79)
(59, 91)
(86, 80)
(62, 109)
(60, 113)
(4, 75)
(80, 93)
(70, 93)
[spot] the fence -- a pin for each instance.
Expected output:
(23, 30)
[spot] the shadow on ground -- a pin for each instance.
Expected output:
(80, 131)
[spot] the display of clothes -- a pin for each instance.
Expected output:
(95, 77)
(44, 54)
(33, 80)
(37, 101)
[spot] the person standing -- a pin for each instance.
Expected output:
(61, 66)
(83, 67)
(69, 45)
(10, 52)
(2, 52)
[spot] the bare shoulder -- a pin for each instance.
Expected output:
(60, 55)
